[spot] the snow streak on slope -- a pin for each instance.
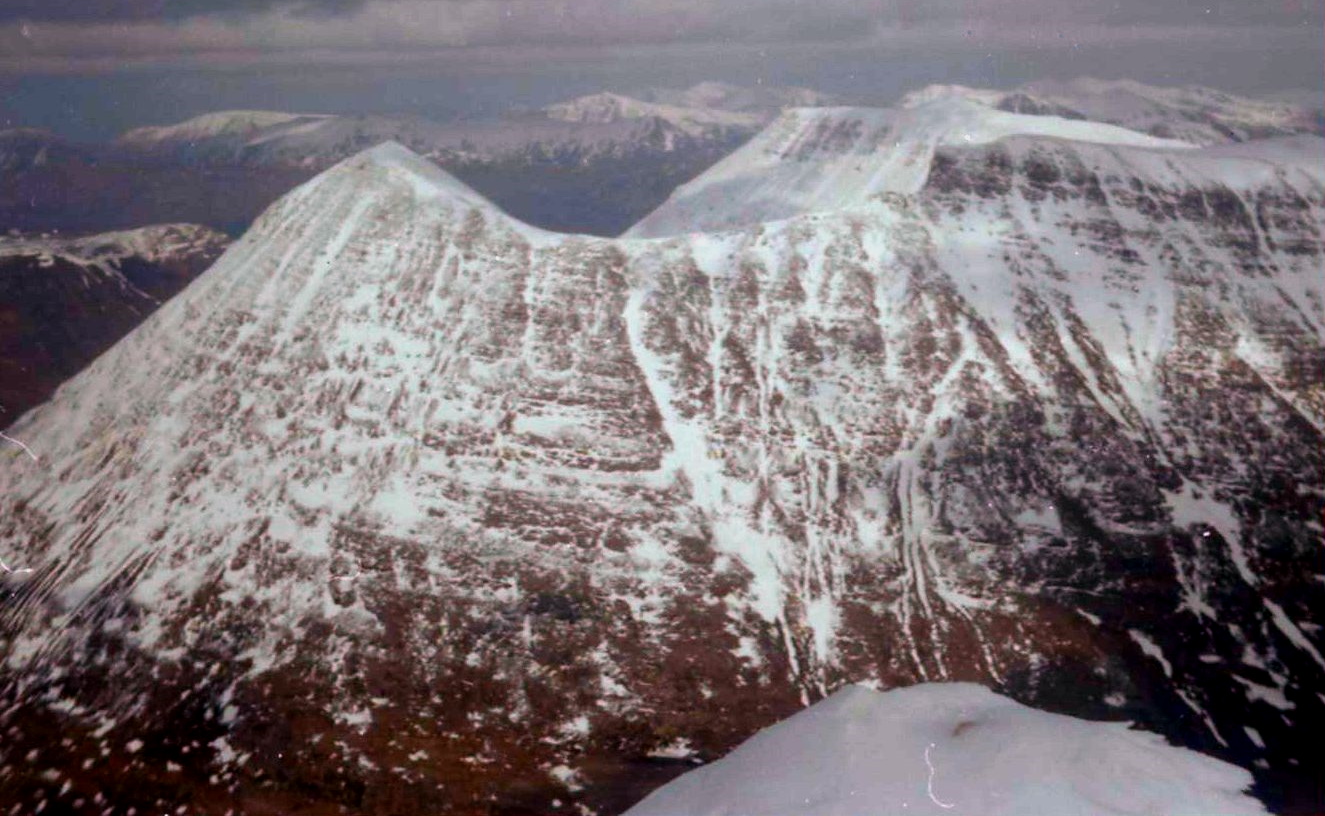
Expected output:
(829, 158)
(935, 748)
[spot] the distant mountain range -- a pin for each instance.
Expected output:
(596, 164)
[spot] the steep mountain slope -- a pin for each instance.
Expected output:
(828, 158)
(63, 301)
(1198, 115)
(404, 506)
(942, 746)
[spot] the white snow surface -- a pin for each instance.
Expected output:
(823, 159)
(954, 748)
(1195, 114)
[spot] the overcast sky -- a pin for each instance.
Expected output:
(90, 68)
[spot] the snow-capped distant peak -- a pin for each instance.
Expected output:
(952, 747)
(929, 93)
(603, 108)
(230, 123)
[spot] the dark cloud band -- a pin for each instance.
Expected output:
(894, 12)
(87, 11)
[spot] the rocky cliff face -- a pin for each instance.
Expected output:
(404, 506)
(63, 301)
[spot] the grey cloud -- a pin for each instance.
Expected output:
(87, 11)
(103, 35)
(748, 16)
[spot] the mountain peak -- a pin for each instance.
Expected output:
(392, 161)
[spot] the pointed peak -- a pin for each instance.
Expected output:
(391, 168)
(393, 159)
(392, 154)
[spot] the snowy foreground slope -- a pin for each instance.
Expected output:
(404, 506)
(951, 748)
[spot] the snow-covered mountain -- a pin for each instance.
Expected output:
(1198, 115)
(237, 125)
(406, 506)
(822, 159)
(66, 300)
(604, 108)
(579, 131)
(938, 747)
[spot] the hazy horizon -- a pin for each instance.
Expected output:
(92, 70)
